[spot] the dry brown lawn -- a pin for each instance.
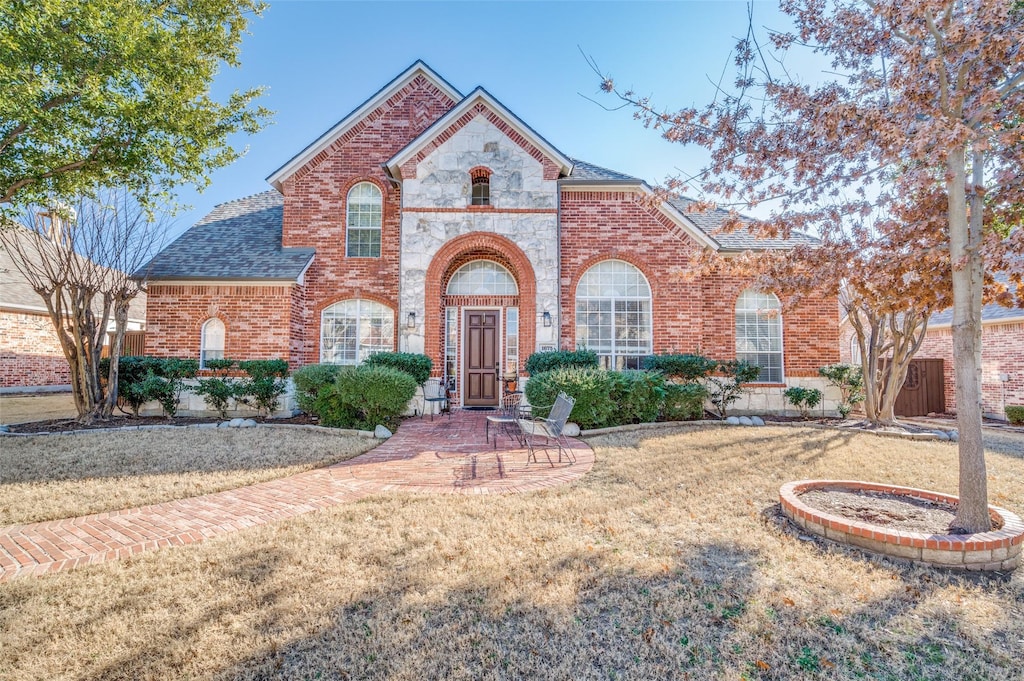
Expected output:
(60, 476)
(657, 565)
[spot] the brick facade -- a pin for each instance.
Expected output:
(544, 233)
(31, 354)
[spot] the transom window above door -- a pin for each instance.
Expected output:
(363, 220)
(482, 278)
(613, 314)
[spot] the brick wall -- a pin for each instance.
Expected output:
(30, 354)
(314, 209)
(1002, 352)
(258, 320)
(689, 315)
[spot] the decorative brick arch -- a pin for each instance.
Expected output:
(352, 294)
(568, 330)
(455, 254)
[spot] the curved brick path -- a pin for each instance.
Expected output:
(443, 456)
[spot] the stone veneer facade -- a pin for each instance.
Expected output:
(419, 146)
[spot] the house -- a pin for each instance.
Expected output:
(1002, 353)
(31, 357)
(432, 221)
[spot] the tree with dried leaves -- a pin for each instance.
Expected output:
(116, 93)
(84, 262)
(924, 100)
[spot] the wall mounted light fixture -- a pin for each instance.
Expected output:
(547, 319)
(411, 323)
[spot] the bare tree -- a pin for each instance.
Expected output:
(85, 263)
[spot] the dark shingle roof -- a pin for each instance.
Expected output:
(993, 312)
(740, 240)
(589, 172)
(238, 240)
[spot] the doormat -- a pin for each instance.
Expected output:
(478, 408)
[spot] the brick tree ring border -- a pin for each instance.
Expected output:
(999, 549)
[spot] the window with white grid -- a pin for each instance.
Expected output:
(759, 333)
(482, 278)
(613, 314)
(212, 341)
(352, 330)
(363, 220)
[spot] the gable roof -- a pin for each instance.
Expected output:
(710, 222)
(238, 240)
(418, 68)
(588, 172)
(478, 96)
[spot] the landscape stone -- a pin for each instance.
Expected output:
(733, 421)
(941, 434)
(746, 421)
(571, 430)
(382, 433)
(758, 421)
(235, 423)
(224, 424)
(247, 423)
(954, 435)
(5, 429)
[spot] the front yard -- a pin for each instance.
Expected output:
(657, 565)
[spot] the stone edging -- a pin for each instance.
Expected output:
(781, 424)
(197, 426)
(998, 549)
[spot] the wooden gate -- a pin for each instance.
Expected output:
(923, 392)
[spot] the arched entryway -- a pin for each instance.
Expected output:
(481, 303)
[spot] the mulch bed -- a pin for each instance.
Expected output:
(891, 511)
(118, 421)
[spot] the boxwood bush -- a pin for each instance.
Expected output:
(591, 387)
(683, 401)
(416, 365)
(683, 368)
(311, 382)
(1015, 414)
(367, 396)
(264, 383)
(636, 395)
(549, 360)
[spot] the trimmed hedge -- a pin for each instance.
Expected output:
(637, 396)
(1015, 414)
(540, 362)
(310, 381)
(685, 368)
(367, 396)
(416, 365)
(264, 385)
(683, 401)
(591, 388)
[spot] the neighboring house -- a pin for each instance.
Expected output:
(431, 221)
(30, 353)
(1002, 353)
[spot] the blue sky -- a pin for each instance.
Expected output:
(320, 60)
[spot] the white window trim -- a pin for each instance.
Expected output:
(379, 228)
(782, 335)
(448, 288)
(359, 318)
(202, 340)
(649, 299)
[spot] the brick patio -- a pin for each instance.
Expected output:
(443, 456)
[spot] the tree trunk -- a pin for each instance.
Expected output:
(968, 272)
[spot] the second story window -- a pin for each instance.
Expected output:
(363, 220)
(481, 195)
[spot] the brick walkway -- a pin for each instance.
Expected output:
(444, 456)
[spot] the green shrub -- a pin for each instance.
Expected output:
(728, 383)
(416, 365)
(131, 376)
(637, 396)
(310, 383)
(367, 396)
(549, 360)
(1015, 414)
(850, 381)
(685, 368)
(591, 387)
(167, 381)
(804, 399)
(683, 402)
(217, 390)
(264, 384)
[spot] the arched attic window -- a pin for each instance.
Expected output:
(480, 178)
(759, 333)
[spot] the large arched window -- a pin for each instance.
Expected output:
(352, 330)
(482, 278)
(363, 220)
(613, 314)
(211, 344)
(759, 333)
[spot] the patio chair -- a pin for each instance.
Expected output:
(437, 394)
(551, 429)
(506, 418)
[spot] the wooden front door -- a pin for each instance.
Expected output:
(481, 358)
(923, 392)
